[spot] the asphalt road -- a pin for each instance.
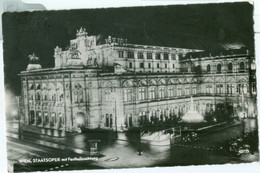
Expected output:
(116, 153)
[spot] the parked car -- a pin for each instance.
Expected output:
(193, 136)
(243, 150)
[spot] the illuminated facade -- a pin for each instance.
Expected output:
(120, 85)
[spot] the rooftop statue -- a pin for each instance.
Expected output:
(33, 59)
(34, 63)
(57, 50)
(81, 31)
(74, 52)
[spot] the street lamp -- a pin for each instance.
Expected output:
(114, 99)
(14, 114)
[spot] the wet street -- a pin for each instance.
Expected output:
(122, 152)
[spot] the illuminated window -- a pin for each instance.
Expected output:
(171, 91)
(230, 88)
(187, 90)
(141, 94)
(219, 88)
(128, 95)
(107, 95)
(179, 91)
(152, 93)
(161, 92)
(209, 89)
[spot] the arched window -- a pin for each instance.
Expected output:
(78, 86)
(38, 87)
(239, 88)
(32, 87)
(43, 86)
(230, 67)
(38, 96)
(219, 68)
(45, 97)
(241, 66)
(208, 68)
(152, 93)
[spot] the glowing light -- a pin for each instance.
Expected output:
(192, 116)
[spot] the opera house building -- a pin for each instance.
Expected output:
(117, 85)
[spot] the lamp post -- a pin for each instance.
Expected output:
(114, 100)
(19, 125)
(17, 113)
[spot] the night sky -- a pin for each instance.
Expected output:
(210, 27)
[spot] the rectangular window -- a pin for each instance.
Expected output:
(152, 93)
(173, 57)
(149, 56)
(194, 90)
(161, 92)
(171, 90)
(219, 88)
(166, 56)
(209, 89)
(121, 54)
(141, 94)
(80, 97)
(253, 87)
(107, 95)
(158, 56)
(130, 65)
(130, 54)
(230, 88)
(75, 96)
(128, 95)
(173, 66)
(158, 65)
(179, 91)
(149, 65)
(165, 65)
(140, 55)
(187, 90)
(141, 65)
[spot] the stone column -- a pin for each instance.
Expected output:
(136, 64)
(154, 64)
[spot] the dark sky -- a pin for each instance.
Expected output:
(206, 26)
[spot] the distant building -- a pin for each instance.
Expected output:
(121, 85)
